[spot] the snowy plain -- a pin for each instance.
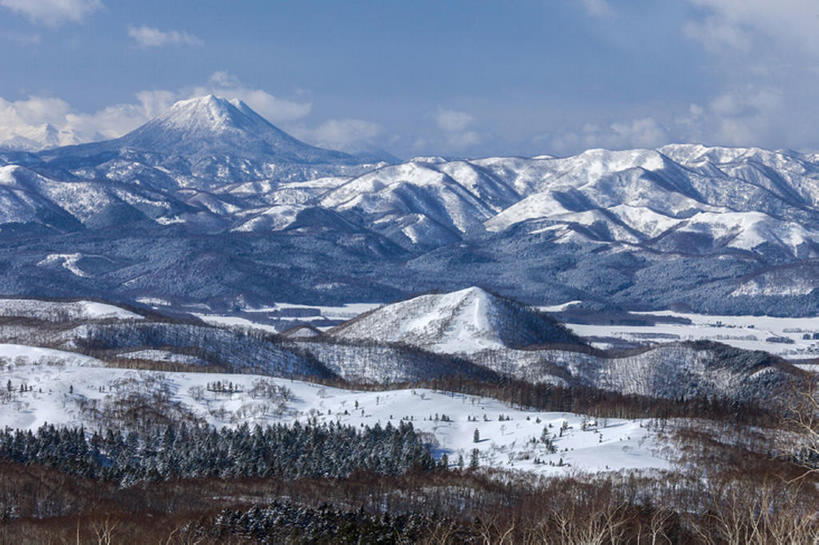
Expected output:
(746, 332)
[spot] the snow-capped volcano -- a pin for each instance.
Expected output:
(210, 124)
(464, 321)
(204, 142)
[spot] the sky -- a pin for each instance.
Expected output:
(459, 78)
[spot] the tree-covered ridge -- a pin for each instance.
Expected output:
(173, 452)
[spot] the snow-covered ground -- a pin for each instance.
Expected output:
(58, 389)
(747, 332)
(343, 312)
(233, 321)
(75, 310)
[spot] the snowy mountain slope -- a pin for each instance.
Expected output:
(455, 196)
(27, 197)
(66, 394)
(64, 311)
(464, 321)
(373, 363)
(672, 370)
(111, 334)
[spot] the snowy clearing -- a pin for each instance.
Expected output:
(508, 438)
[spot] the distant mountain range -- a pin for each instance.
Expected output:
(210, 203)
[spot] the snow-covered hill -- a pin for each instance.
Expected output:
(464, 321)
(69, 390)
(58, 311)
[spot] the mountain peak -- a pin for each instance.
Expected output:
(465, 321)
(209, 126)
(211, 114)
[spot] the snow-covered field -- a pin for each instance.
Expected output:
(747, 332)
(233, 321)
(508, 437)
(343, 312)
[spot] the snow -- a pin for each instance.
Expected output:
(153, 301)
(347, 311)
(258, 179)
(559, 308)
(20, 355)
(68, 262)
(747, 332)
(614, 444)
(77, 310)
(233, 321)
(448, 323)
(161, 355)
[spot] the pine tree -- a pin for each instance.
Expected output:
(474, 461)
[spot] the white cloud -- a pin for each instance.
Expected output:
(30, 123)
(53, 12)
(452, 120)
(462, 140)
(456, 128)
(597, 8)
(639, 133)
(643, 132)
(38, 122)
(766, 52)
(147, 36)
(749, 116)
(342, 134)
(715, 33)
(276, 110)
(739, 23)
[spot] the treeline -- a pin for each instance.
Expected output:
(604, 403)
(327, 450)
(585, 400)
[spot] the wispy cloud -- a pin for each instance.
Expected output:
(343, 134)
(452, 120)
(739, 24)
(21, 38)
(456, 125)
(53, 12)
(146, 36)
(598, 8)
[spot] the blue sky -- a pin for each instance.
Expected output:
(463, 78)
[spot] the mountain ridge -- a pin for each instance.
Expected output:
(608, 227)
